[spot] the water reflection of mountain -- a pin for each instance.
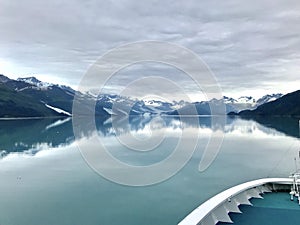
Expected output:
(120, 125)
(22, 135)
(269, 125)
(286, 125)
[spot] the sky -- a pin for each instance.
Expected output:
(251, 47)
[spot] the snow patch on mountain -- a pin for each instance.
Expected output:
(58, 110)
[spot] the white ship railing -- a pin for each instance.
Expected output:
(217, 208)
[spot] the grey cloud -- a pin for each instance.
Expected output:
(249, 45)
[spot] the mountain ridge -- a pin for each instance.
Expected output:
(287, 105)
(59, 99)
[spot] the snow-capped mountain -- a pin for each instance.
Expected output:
(120, 105)
(70, 90)
(287, 105)
(160, 106)
(229, 100)
(59, 99)
(248, 102)
(268, 98)
(29, 97)
(35, 82)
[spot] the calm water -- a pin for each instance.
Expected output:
(45, 180)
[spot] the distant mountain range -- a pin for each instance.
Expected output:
(287, 105)
(231, 105)
(248, 102)
(29, 97)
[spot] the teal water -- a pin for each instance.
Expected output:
(275, 208)
(45, 180)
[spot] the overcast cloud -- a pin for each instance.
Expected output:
(252, 47)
